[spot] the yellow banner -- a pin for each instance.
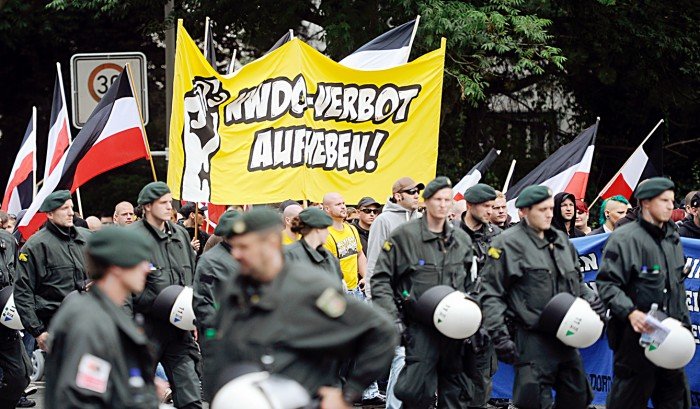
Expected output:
(296, 125)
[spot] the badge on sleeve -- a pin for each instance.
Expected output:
(387, 245)
(23, 257)
(332, 303)
(93, 373)
(494, 253)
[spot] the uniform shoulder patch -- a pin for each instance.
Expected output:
(494, 253)
(93, 373)
(387, 246)
(332, 303)
(23, 257)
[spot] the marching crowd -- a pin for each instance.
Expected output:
(331, 298)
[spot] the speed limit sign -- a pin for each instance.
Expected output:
(92, 74)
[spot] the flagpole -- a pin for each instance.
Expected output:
(232, 64)
(34, 153)
(80, 203)
(607, 186)
(510, 175)
(413, 35)
(70, 137)
(145, 136)
(206, 38)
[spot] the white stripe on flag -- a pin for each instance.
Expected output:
(377, 59)
(557, 183)
(633, 169)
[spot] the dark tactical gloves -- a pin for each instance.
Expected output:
(505, 349)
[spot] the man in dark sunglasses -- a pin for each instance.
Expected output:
(401, 207)
(368, 210)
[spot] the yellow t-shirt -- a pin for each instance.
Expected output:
(288, 240)
(345, 245)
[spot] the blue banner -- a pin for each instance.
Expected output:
(598, 359)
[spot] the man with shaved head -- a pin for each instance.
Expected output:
(123, 214)
(290, 212)
(94, 224)
(344, 242)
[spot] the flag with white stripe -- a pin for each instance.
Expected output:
(474, 175)
(59, 128)
(113, 136)
(389, 50)
(20, 186)
(566, 170)
(638, 167)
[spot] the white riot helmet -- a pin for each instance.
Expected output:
(571, 320)
(251, 388)
(9, 316)
(455, 314)
(174, 304)
(676, 350)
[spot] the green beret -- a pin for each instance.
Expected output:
(54, 200)
(653, 187)
(119, 246)
(532, 195)
(152, 191)
(256, 220)
(315, 217)
(480, 193)
(224, 228)
(436, 184)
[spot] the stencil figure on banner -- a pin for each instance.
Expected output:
(303, 124)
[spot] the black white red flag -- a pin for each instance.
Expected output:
(113, 136)
(566, 170)
(59, 128)
(646, 161)
(20, 186)
(389, 50)
(475, 174)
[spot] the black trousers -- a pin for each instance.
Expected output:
(433, 365)
(15, 367)
(545, 364)
(636, 380)
(181, 359)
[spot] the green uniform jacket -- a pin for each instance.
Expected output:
(51, 264)
(172, 261)
(301, 326)
(214, 269)
(520, 277)
(95, 349)
(414, 259)
(622, 285)
(8, 259)
(300, 251)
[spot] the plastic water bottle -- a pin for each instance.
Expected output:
(645, 339)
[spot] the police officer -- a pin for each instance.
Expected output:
(527, 265)
(51, 265)
(643, 264)
(214, 269)
(481, 357)
(312, 224)
(172, 263)
(14, 362)
(292, 319)
(417, 256)
(99, 358)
